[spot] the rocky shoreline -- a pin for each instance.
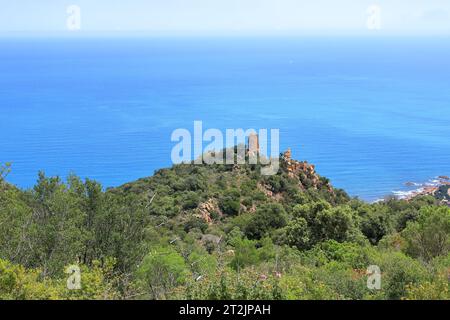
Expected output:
(439, 188)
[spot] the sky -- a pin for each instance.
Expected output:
(408, 17)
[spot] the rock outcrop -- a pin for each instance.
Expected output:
(300, 169)
(207, 208)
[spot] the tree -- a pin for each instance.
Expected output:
(298, 234)
(335, 223)
(376, 224)
(230, 202)
(266, 218)
(202, 263)
(323, 222)
(245, 253)
(429, 237)
(161, 270)
(310, 210)
(15, 223)
(190, 200)
(55, 234)
(398, 273)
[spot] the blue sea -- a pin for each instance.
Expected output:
(370, 113)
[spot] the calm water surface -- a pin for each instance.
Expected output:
(370, 113)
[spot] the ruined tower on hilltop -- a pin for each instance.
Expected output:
(253, 144)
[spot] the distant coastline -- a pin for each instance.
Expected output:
(438, 187)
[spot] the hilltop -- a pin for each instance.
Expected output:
(212, 190)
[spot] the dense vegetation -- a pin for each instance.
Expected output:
(218, 232)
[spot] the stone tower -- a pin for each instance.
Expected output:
(253, 144)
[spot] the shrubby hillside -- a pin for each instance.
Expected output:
(218, 232)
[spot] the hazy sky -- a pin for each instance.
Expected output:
(228, 16)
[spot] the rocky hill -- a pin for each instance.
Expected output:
(210, 191)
